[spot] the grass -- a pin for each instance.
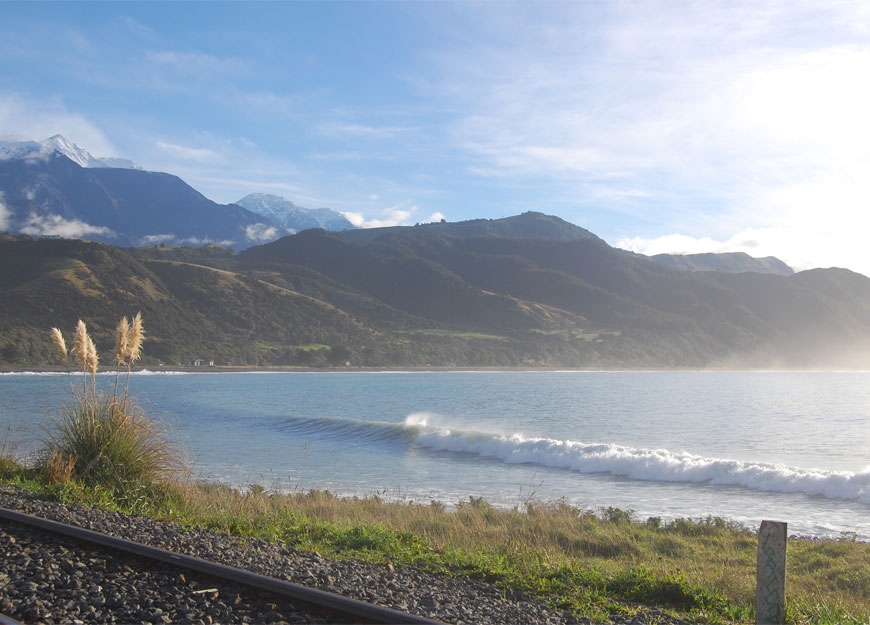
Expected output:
(595, 565)
(314, 347)
(104, 440)
(111, 443)
(104, 452)
(456, 334)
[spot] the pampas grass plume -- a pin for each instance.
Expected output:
(136, 337)
(122, 346)
(80, 344)
(92, 359)
(60, 344)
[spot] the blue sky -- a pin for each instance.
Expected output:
(661, 126)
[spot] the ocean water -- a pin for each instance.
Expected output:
(745, 446)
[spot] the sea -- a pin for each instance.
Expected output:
(744, 446)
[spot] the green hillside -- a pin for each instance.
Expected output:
(527, 291)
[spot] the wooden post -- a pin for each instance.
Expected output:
(770, 579)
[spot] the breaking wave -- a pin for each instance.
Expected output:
(654, 465)
(651, 465)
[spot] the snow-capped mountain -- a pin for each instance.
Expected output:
(296, 218)
(58, 144)
(55, 188)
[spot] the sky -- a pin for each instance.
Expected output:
(661, 126)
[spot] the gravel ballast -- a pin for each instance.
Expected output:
(45, 580)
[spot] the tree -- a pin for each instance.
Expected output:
(339, 354)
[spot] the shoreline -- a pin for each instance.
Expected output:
(7, 369)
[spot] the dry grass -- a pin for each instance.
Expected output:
(59, 468)
(551, 550)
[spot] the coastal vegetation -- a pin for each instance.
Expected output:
(103, 439)
(598, 563)
(592, 563)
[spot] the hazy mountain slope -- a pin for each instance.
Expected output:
(734, 262)
(54, 195)
(684, 318)
(54, 283)
(395, 277)
(417, 296)
(191, 311)
(530, 224)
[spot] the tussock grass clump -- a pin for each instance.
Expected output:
(104, 439)
(110, 443)
(9, 466)
(58, 467)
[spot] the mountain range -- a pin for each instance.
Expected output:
(58, 144)
(478, 293)
(531, 290)
(292, 217)
(56, 188)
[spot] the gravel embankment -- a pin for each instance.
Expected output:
(46, 582)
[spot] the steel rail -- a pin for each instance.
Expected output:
(324, 599)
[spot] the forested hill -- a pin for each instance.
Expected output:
(528, 291)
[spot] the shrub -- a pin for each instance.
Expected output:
(105, 439)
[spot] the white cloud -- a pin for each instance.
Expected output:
(699, 118)
(5, 214)
(204, 241)
(188, 153)
(339, 129)
(357, 219)
(433, 218)
(262, 233)
(671, 244)
(198, 65)
(798, 246)
(156, 239)
(24, 119)
(55, 225)
(393, 216)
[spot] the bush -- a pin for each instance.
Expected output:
(111, 444)
(105, 439)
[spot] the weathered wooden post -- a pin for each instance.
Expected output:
(770, 578)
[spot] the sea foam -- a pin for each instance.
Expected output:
(656, 465)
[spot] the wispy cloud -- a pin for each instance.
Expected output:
(28, 119)
(5, 213)
(340, 129)
(799, 247)
(746, 116)
(197, 65)
(720, 123)
(55, 225)
(188, 153)
(393, 216)
(155, 239)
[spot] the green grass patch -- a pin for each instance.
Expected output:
(592, 564)
(455, 334)
(313, 347)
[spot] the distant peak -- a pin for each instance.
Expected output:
(293, 216)
(58, 144)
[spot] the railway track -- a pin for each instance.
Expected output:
(203, 580)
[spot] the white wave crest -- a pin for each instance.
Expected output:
(657, 465)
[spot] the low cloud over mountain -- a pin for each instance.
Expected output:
(56, 188)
